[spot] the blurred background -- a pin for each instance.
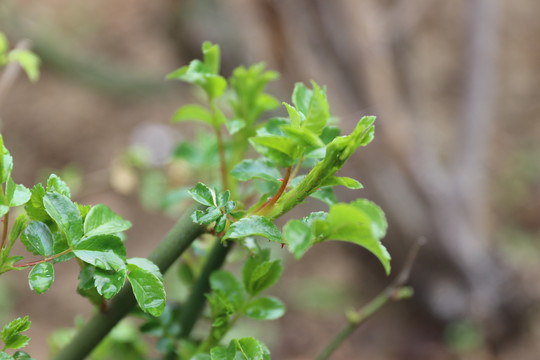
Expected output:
(456, 157)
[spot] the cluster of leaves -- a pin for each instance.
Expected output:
(12, 339)
(299, 156)
(27, 59)
(56, 229)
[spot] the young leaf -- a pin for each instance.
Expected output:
(21, 355)
(41, 277)
(298, 236)
(326, 195)
(18, 227)
(103, 221)
(254, 225)
(225, 282)
(207, 216)
(3, 355)
(109, 283)
(259, 273)
(221, 222)
(147, 286)
(11, 333)
(28, 61)
(211, 55)
(265, 308)
(6, 162)
(235, 125)
(54, 183)
(344, 181)
(203, 195)
(361, 222)
(192, 113)
(249, 348)
(16, 195)
(38, 239)
(103, 251)
(256, 169)
(65, 214)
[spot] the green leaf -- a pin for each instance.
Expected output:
(21, 355)
(34, 207)
(16, 195)
(146, 265)
(203, 195)
(201, 357)
(303, 136)
(54, 183)
(297, 236)
(109, 283)
(225, 282)
(4, 44)
(259, 273)
(221, 222)
(361, 222)
(235, 125)
(65, 214)
(211, 55)
(265, 308)
(207, 216)
(61, 245)
(147, 286)
(326, 195)
(344, 181)
(193, 113)
(296, 117)
(222, 353)
(28, 61)
(256, 169)
(38, 239)
(3, 355)
(103, 221)
(6, 162)
(18, 227)
(282, 144)
(249, 348)
(11, 333)
(199, 74)
(4, 209)
(103, 251)
(41, 277)
(254, 225)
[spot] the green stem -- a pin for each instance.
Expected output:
(179, 238)
(5, 232)
(194, 306)
(395, 291)
(48, 258)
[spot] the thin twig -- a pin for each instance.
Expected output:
(394, 291)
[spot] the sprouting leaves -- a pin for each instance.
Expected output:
(204, 73)
(11, 334)
(218, 206)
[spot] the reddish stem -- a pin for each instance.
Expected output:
(49, 258)
(271, 201)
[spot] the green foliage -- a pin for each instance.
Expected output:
(26, 59)
(240, 198)
(11, 334)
